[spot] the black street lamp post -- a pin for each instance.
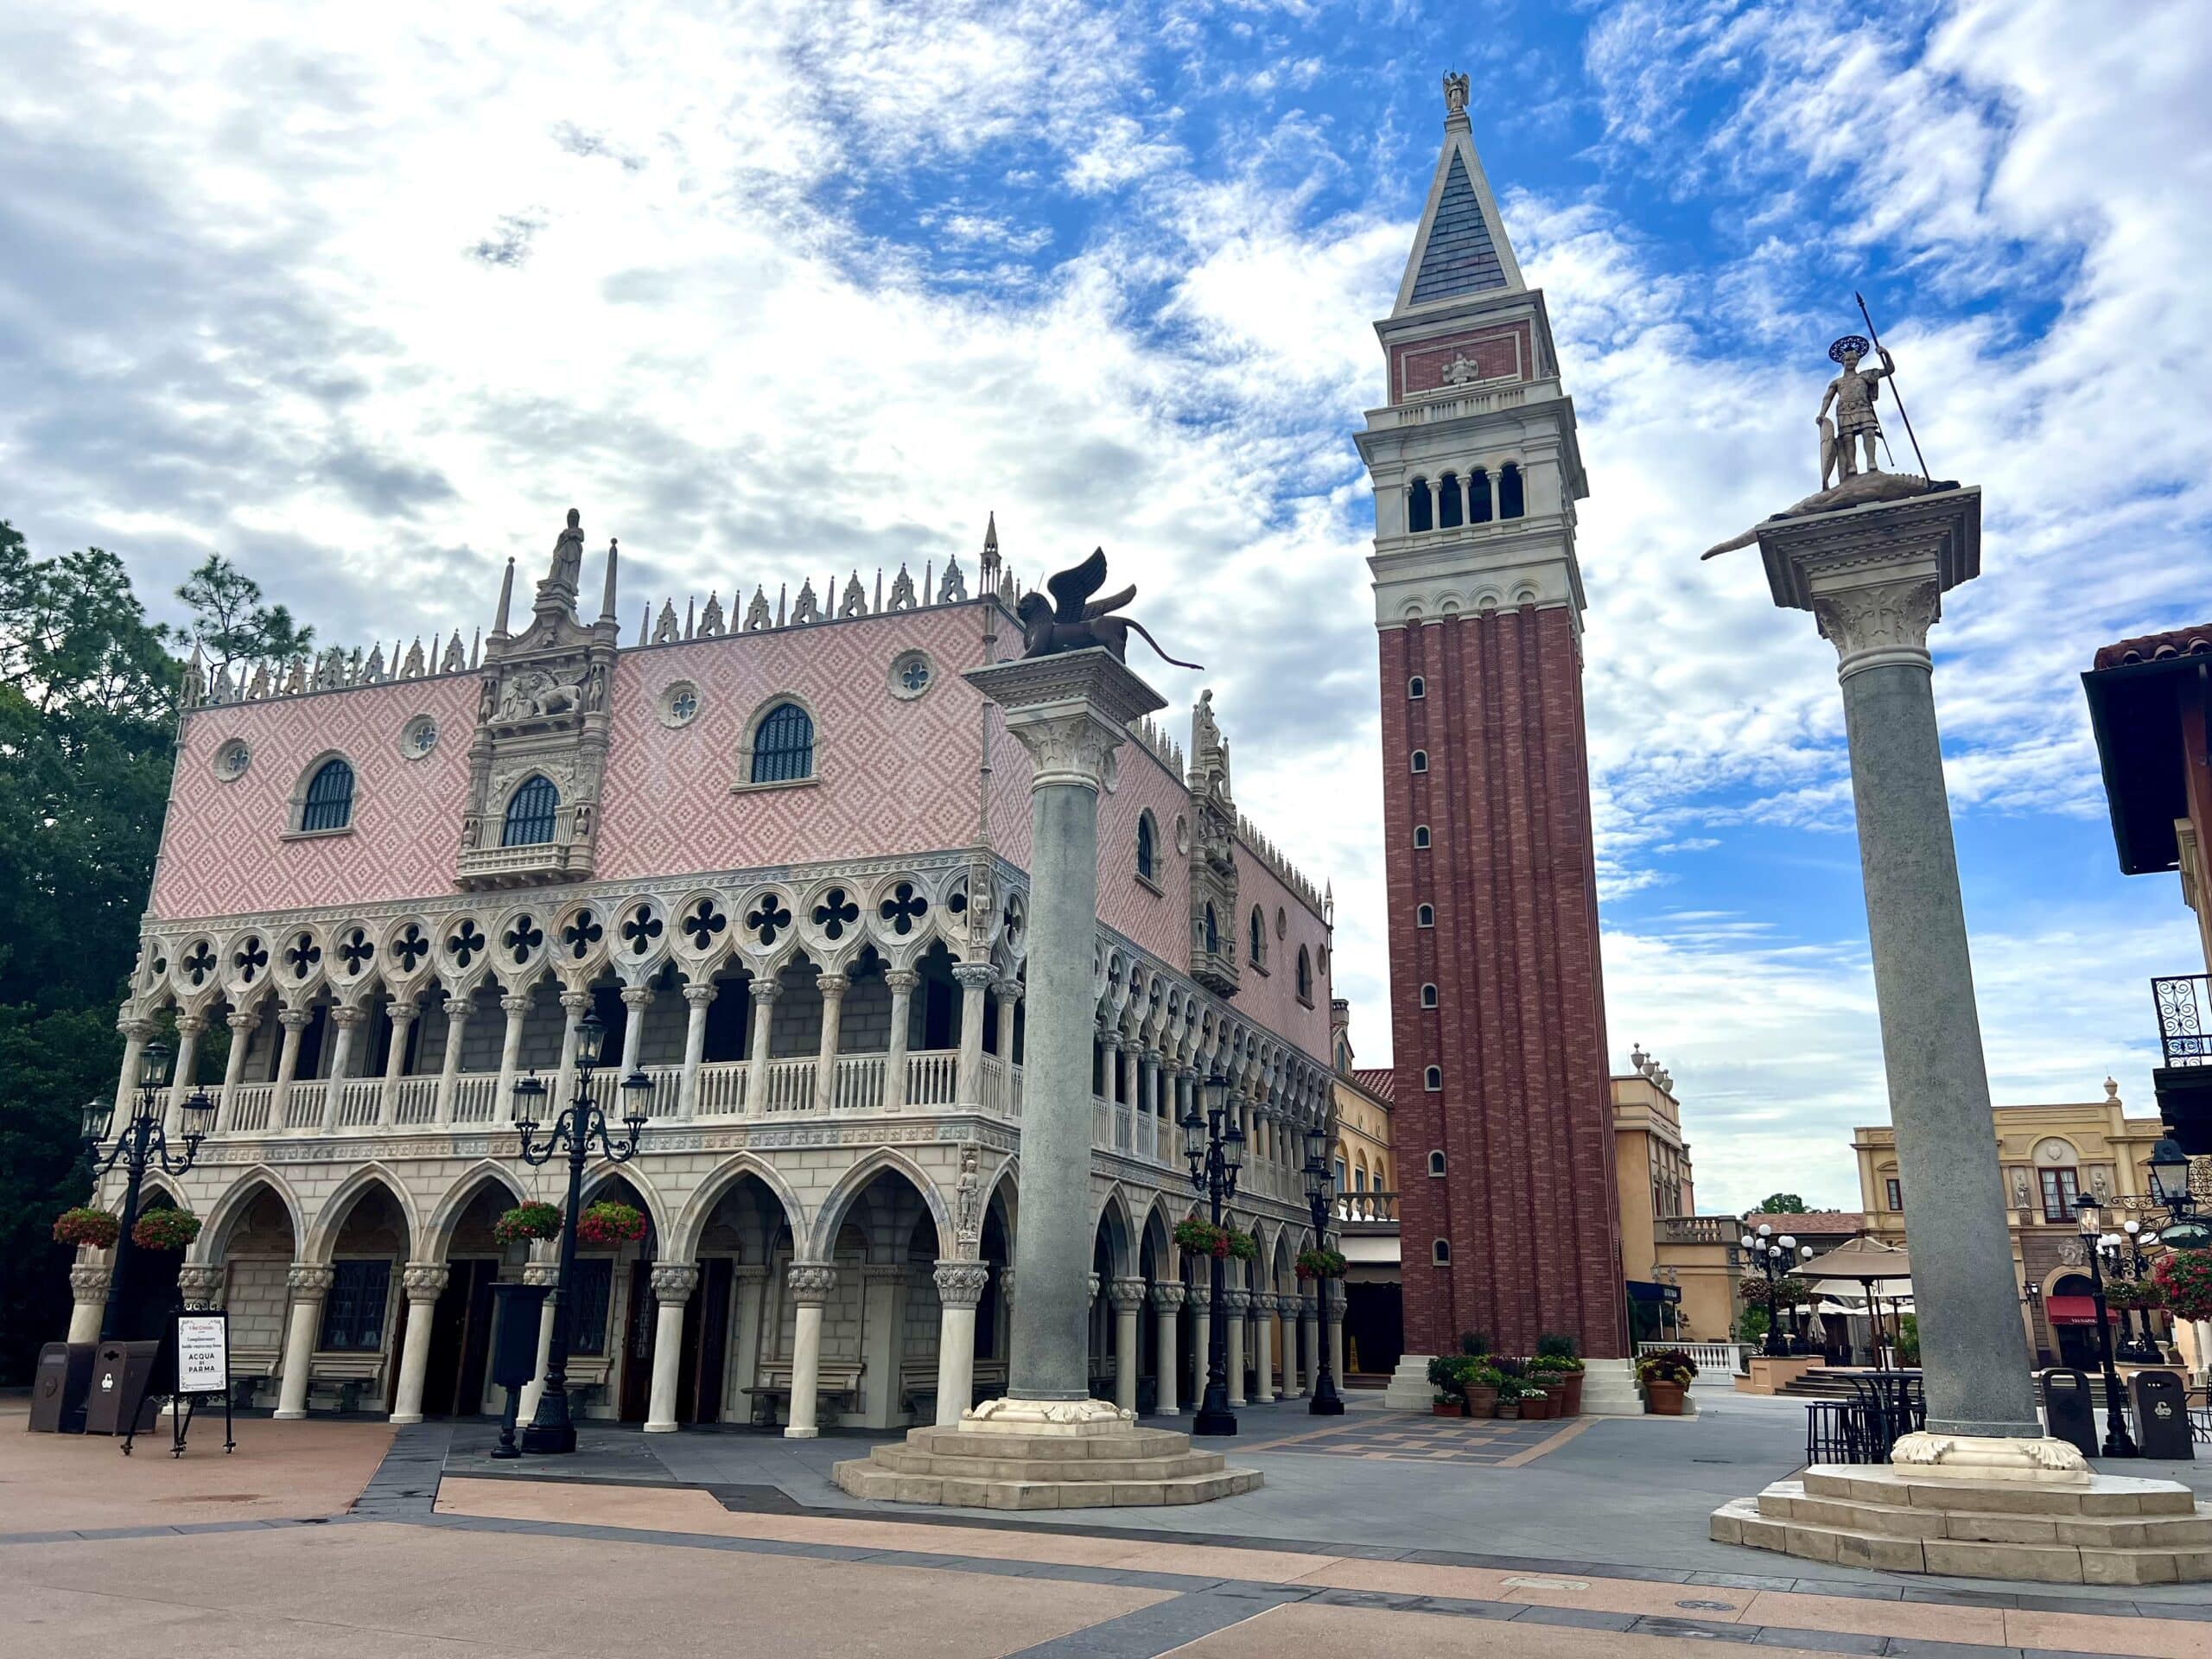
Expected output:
(578, 1125)
(1775, 1258)
(1325, 1402)
(2130, 1266)
(143, 1143)
(1217, 1153)
(2118, 1443)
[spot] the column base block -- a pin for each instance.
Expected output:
(652, 1429)
(404, 1418)
(286, 1416)
(1025, 1454)
(802, 1433)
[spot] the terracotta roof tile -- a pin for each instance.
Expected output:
(1380, 1081)
(2153, 647)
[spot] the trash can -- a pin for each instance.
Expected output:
(58, 1387)
(2161, 1414)
(2069, 1408)
(122, 1393)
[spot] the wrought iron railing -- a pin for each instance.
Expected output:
(2185, 1003)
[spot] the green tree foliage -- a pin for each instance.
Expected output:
(1782, 1204)
(88, 714)
(229, 622)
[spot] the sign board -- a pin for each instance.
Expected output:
(203, 1353)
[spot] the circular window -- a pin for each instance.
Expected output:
(679, 705)
(418, 737)
(232, 757)
(911, 674)
(1182, 835)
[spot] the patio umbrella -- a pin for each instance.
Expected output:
(1864, 1262)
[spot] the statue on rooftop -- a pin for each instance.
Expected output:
(1455, 93)
(569, 554)
(1853, 394)
(1072, 620)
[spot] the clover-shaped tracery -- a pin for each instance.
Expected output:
(767, 919)
(467, 942)
(251, 957)
(198, 962)
(303, 954)
(703, 924)
(356, 950)
(582, 933)
(904, 908)
(523, 938)
(410, 947)
(642, 928)
(835, 913)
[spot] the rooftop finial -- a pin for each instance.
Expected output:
(506, 598)
(607, 603)
(1455, 96)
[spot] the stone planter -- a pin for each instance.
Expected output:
(1447, 1408)
(1509, 1408)
(1481, 1402)
(1570, 1402)
(1664, 1398)
(1539, 1406)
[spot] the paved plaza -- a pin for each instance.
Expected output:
(1383, 1533)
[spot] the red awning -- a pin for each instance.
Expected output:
(2070, 1310)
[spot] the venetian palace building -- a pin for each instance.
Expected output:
(780, 857)
(1502, 1120)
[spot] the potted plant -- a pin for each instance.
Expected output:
(1509, 1397)
(1537, 1399)
(90, 1228)
(527, 1221)
(1204, 1238)
(1443, 1377)
(1478, 1386)
(165, 1230)
(1556, 1355)
(2134, 1293)
(609, 1226)
(1665, 1377)
(1317, 1263)
(2184, 1278)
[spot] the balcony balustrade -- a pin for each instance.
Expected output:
(2182, 1081)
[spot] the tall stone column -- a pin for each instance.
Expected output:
(673, 1283)
(88, 1288)
(574, 1006)
(189, 1028)
(765, 993)
(1873, 577)
(137, 1033)
(1071, 712)
(1240, 1309)
(832, 987)
(902, 981)
(1200, 1296)
(1007, 992)
(458, 1006)
(975, 980)
(402, 1015)
(1335, 1294)
(696, 1000)
(242, 1022)
(636, 999)
(1166, 1303)
(1128, 1297)
(344, 1020)
(811, 1283)
(959, 1289)
(517, 1009)
(309, 1284)
(424, 1282)
(1263, 1342)
(1286, 1338)
(549, 1275)
(294, 1022)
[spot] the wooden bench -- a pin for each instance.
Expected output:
(834, 1385)
(918, 1386)
(344, 1377)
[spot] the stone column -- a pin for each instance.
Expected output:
(959, 1289)
(458, 1008)
(811, 1283)
(242, 1022)
(309, 1284)
(574, 1006)
(1070, 712)
(1336, 1332)
(1286, 1338)
(673, 1283)
(549, 1275)
(1009, 992)
(1240, 1308)
(883, 1286)
(1263, 1346)
(137, 1033)
(88, 1286)
(1167, 1302)
(765, 993)
(402, 1015)
(902, 981)
(424, 1282)
(975, 979)
(1128, 1297)
(636, 999)
(1200, 1296)
(1309, 1341)
(696, 999)
(517, 1008)
(832, 987)
(294, 1020)
(1873, 577)
(751, 1283)
(189, 1028)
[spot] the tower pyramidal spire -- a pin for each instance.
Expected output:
(1461, 248)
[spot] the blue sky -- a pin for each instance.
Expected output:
(773, 290)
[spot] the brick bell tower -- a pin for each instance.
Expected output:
(1509, 1219)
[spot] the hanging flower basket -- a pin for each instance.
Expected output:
(2185, 1279)
(2134, 1294)
(1788, 1292)
(526, 1221)
(96, 1230)
(1321, 1264)
(165, 1230)
(609, 1226)
(1204, 1238)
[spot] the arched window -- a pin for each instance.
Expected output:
(1421, 837)
(1360, 1178)
(1213, 929)
(1478, 497)
(1440, 1253)
(1436, 1163)
(1425, 916)
(1416, 688)
(329, 803)
(1419, 513)
(529, 813)
(783, 745)
(1428, 997)
(1257, 933)
(1433, 1079)
(1420, 759)
(1512, 501)
(1304, 975)
(1448, 516)
(1146, 852)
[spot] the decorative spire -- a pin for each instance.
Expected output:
(1461, 250)
(506, 600)
(607, 604)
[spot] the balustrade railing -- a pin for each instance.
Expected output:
(304, 1109)
(1698, 1230)
(933, 1078)
(791, 1086)
(249, 1113)
(360, 1102)
(1367, 1206)
(475, 1097)
(2184, 1003)
(859, 1084)
(1716, 1361)
(415, 1101)
(720, 1089)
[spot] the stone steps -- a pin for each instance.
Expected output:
(2112, 1531)
(1122, 1445)
(968, 1464)
(870, 1479)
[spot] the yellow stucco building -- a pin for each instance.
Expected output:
(1677, 1263)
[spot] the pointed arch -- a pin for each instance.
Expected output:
(1114, 1218)
(598, 1175)
(445, 1215)
(237, 1199)
(830, 1218)
(330, 1217)
(682, 1244)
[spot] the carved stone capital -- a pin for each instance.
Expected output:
(1263, 1301)
(243, 1022)
(960, 1284)
(764, 991)
(700, 995)
(674, 1281)
(136, 1030)
(1201, 1297)
(1168, 1296)
(546, 1273)
(1237, 1301)
(901, 979)
(812, 1282)
(201, 1284)
(401, 1014)
(635, 998)
(1070, 750)
(1878, 624)
(1069, 711)
(1127, 1295)
(190, 1024)
(1308, 1308)
(425, 1282)
(1006, 1285)
(1095, 1282)
(576, 1001)
(294, 1019)
(89, 1284)
(832, 985)
(975, 976)
(309, 1282)
(346, 1016)
(513, 1006)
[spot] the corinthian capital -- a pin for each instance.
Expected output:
(1878, 624)
(812, 1282)
(674, 1281)
(960, 1284)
